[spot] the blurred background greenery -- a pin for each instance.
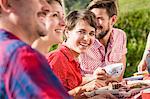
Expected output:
(134, 19)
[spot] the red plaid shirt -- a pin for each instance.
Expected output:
(25, 73)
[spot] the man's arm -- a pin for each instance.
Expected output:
(123, 60)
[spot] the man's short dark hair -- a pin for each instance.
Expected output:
(109, 5)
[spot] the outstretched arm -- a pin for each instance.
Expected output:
(142, 65)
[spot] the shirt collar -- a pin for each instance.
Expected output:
(97, 44)
(5, 34)
(66, 51)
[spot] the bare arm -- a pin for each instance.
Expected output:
(142, 65)
(123, 60)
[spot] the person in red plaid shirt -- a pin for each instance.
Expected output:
(24, 72)
(110, 45)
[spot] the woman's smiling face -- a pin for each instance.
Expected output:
(81, 37)
(54, 23)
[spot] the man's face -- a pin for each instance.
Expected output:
(28, 17)
(104, 22)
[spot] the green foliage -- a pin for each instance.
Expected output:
(136, 25)
(75, 4)
(53, 47)
(133, 5)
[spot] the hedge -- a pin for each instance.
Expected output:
(136, 24)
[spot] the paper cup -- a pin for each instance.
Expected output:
(114, 69)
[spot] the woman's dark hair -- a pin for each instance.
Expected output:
(75, 16)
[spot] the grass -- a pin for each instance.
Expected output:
(124, 5)
(133, 5)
